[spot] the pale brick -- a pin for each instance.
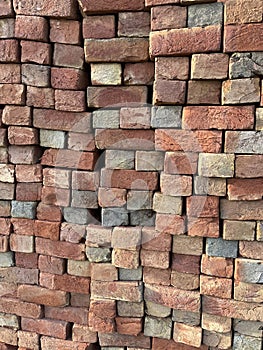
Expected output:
(130, 309)
(250, 328)
(36, 75)
(12, 94)
(205, 15)
(118, 159)
(138, 200)
(241, 11)
(8, 320)
(246, 342)
(112, 197)
(209, 66)
(5, 208)
(153, 309)
(184, 281)
(8, 336)
(106, 119)
(248, 270)
(216, 165)
(135, 118)
(125, 259)
(106, 74)
(98, 255)
(187, 334)
(56, 178)
(18, 135)
(126, 238)
(17, 115)
(7, 259)
(217, 340)
(210, 186)
(216, 323)
(239, 230)
(19, 243)
(158, 327)
(167, 204)
(84, 199)
(244, 142)
(10, 73)
(150, 161)
(259, 119)
(64, 31)
(239, 91)
(187, 245)
(7, 173)
(170, 68)
(28, 340)
(176, 185)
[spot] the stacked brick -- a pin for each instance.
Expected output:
(131, 186)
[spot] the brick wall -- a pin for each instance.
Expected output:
(131, 167)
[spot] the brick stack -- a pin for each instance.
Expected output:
(131, 186)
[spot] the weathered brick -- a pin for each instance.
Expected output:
(116, 50)
(9, 51)
(60, 249)
(187, 317)
(120, 340)
(169, 223)
(134, 24)
(19, 275)
(245, 189)
(16, 115)
(210, 186)
(59, 344)
(117, 159)
(106, 119)
(20, 308)
(221, 248)
(127, 291)
(216, 165)
(81, 142)
(28, 340)
(130, 274)
(115, 96)
(68, 78)
(154, 259)
(85, 181)
(249, 166)
(239, 230)
(35, 52)
(12, 94)
(153, 275)
(51, 264)
(31, 27)
(215, 339)
(241, 210)
(6, 259)
(180, 163)
(201, 206)
(216, 323)
(36, 75)
(176, 185)
(83, 334)
(214, 286)
(106, 74)
(259, 119)
(128, 309)
(8, 336)
(245, 65)
(138, 73)
(185, 41)
(98, 27)
(209, 66)
(130, 326)
(101, 316)
(55, 196)
(59, 329)
(24, 244)
(48, 212)
(187, 334)
(203, 227)
(155, 241)
(10, 73)
(135, 118)
(251, 250)
(169, 92)
(157, 310)
(241, 91)
(186, 263)
(68, 56)
(248, 270)
(244, 141)
(242, 12)
(4, 247)
(18, 135)
(24, 209)
(6, 8)
(84, 199)
(168, 17)
(69, 314)
(166, 204)
(187, 245)
(188, 141)
(250, 328)
(248, 292)
(204, 92)
(68, 100)
(111, 197)
(158, 327)
(205, 15)
(186, 281)
(172, 345)
(67, 283)
(249, 342)
(243, 38)
(72, 232)
(170, 68)
(79, 268)
(64, 31)
(7, 173)
(166, 117)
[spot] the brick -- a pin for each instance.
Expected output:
(248, 292)
(204, 92)
(188, 141)
(139, 200)
(23, 226)
(126, 238)
(106, 73)
(186, 281)
(56, 178)
(216, 323)
(156, 276)
(239, 13)
(32, 28)
(24, 244)
(126, 291)
(18, 135)
(10, 74)
(5, 208)
(158, 327)
(6, 8)
(67, 283)
(68, 56)
(217, 266)
(25, 210)
(117, 96)
(214, 286)
(51, 264)
(138, 73)
(175, 68)
(98, 27)
(128, 309)
(40, 97)
(209, 66)
(60, 249)
(72, 233)
(26, 260)
(68, 158)
(187, 317)
(16, 115)
(134, 24)
(116, 50)
(7, 259)
(19, 275)
(239, 230)
(59, 329)
(68, 78)
(79, 216)
(130, 326)
(55, 196)
(68, 100)
(248, 270)
(64, 31)
(81, 142)
(79, 268)
(169, 223)
(185, 41)
(167, 204)
(28, 340)
(130, 274)
(117, 159)
(186, 263)
(107, 6)
(251, 250)
(9, 51)
(231, 308)
(7, 173)
(180, 163)
(200, 206)
(212, 339)
(205, 15)
(259, 119)
(244, 142)
(20, 308)
(84, 199)
(238, 38)
(187, 245)
(111, 197)
(250, 328)
(216, 165)
(221, 248)
(47, 229)
(12, 94)
(155, 241)
(221, 117)
(168, 17)
(188, 335)
(154, 259)
(48, 212)
(104, 272)
(203, 227)
(249, 342)
(101, 316)
(83, 334)
(106, 119)
(116, 340)
(166, 117)
(241, 210)
(210, 186)
(176, 185)
(60, 9)
(245, 189)
(245, 65)
(169, 92)
(8, 336)
(35, 52)
(68, 314)
(5, 226)
(84, 180)
(36, 75)
(249, 166)
(4, 244)
(241, 91)
(135, 118)
(3, 155)
(157, 310)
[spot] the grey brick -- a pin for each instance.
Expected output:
(158, 327)
(114, 217)
(187, 317)
(246, 65)
(166, 117)
(26, 210)
(128, 309)
(250, 328)
(150, 160)
(36, 75)
(167, 204)
(138, 200)
(130, 274)
(244, 142)
(153, 309)
(84, 199)
(7, 259)
(7, 28)
(210, 186)
(220, 247)
(205, 15)
(217, 340)
(76, 215)
(7, 191)
(142, 218)
(245, 342)
(106, 119)
(117, 159)
(52, 138)
(98, 255)
(8, 320)
(249, 271)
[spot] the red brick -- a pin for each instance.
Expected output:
(251, 250)
(20, 307)
(156, 276)
(28, 191)
(55, 196)
(97, 6)
(35, 52)
(154, 240)
(204, 92)
(171, 224)
(58, 178)
(27, 340)
(64, 31)
(69, 314)
(139, 73)
(83, 333)
(59, 329)
(203, 227)
(48, 212)
(98, 27)
(186, 281)
(221, 117)
(104, 272)
(188, 141)
(68, 100)
(187, 334)
(127, 291)
(116, 50)
(202, 206)
(131, 326)
(81, 142)
(185, 41)
(60, 249)
(168, 17)
(176, 185)
(155, 259)
(116, 96)
(6, 10)
(249, 166)
(69, 159)
(40, 97)
(67, 283)
(26, 260)
(10, 74)
(186, 263)
(68, 56)
(18, 135)
(160, 2)
(126, 259)
(125, 139)
(68, 78)
(47, 229)
(243, 37)
(112, 197)
(72, 233)
(134, 24)
(119, 340)
(129, 179)
(170, 68)
(169, 92)
(51, 264)
(17, 115)
(9, 51)
(5, 226)
(217, 266)
(214, 286)
(58, 120)
(173, 298)
(101, 316)
(135, 118)
(60, 8)
(164, 344)
(180, 163)
(210, 66)
(12, 94)
(29, 173)
(59, 344)
(241, 210)
(32, 28)
(245, 189)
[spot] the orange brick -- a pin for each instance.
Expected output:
(214, 286)
(131, 326)
(217, 266)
